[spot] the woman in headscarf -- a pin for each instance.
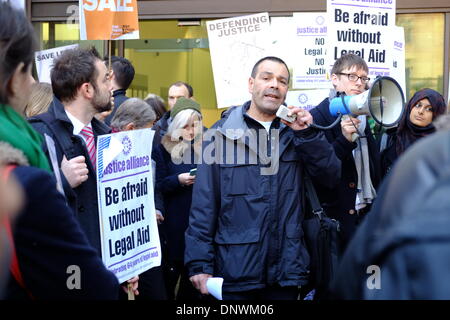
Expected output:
(417, 122)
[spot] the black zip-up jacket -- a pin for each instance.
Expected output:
(245, 220)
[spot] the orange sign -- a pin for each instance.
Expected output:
(108, 19)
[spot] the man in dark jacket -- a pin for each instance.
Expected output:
(121, 78)
(82, 88)
(176, 90)
(246, 216)
(343, 203)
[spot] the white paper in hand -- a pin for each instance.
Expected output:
(214, 286)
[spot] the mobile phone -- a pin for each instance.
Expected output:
(193, 172)
(283, 112)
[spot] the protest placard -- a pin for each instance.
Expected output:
(236, 44)
(128, 227)
(108, 19)
(44, 61)
(397, 42)
(362, 27)
(310, 46)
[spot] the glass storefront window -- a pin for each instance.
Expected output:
(166, 53)
(58, 34)
(424, 37)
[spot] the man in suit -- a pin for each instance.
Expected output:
(82, 88)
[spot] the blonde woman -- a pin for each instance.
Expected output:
(40, 98)
(175, 176)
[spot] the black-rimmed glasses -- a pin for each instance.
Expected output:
(353, 77)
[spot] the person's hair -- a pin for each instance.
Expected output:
(40, 99)
(123, 71)
(186, 85)
(181, 119)
(405, 134)
(269, 58)
(157, 103)
(133, 110)
(347, 61)
(17, 44)
(71, 69)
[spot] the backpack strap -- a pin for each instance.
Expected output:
(14, 266)
(56, 128)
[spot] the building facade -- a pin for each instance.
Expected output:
(174, 41)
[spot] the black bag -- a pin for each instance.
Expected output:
(322, 238)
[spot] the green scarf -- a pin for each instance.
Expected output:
(15, 130)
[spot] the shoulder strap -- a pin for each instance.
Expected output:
(14, 267)
(311, 195)
(62, 139)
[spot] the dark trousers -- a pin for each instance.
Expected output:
(151, 286)
(274, 292)
(175, 271)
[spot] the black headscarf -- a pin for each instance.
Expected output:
(407, 132)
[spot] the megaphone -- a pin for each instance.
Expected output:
(384, 102)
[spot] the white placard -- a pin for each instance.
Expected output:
(310, 46)
(236, 44)
(398, 57)
(128, 227)
(362, 28)
(44, 61)
(283, 35)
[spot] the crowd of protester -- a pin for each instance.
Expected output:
(238, 218)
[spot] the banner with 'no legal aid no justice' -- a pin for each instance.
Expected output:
(108, 19)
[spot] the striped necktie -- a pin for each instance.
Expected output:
(88, 134)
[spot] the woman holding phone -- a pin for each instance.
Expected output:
(176, 162)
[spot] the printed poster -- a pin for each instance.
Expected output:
(108, 20)
(362, 28)
(128, 226)
(310, 46)
(44, 61)
(236, 44)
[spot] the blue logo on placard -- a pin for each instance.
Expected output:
(302, 98)
(126, 145)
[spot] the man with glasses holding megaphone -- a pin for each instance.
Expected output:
(354, 145)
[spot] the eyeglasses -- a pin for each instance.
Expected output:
(428, 107)
(353, 77)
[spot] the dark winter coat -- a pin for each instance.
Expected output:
(51, 246)
(407, 233)
(84, 197)
(177, 198)
(245, 226)
(119, 98)
(339, 202)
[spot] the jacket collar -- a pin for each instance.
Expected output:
(235, 125)
(118, 92)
